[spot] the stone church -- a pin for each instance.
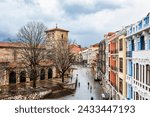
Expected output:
(13, 73)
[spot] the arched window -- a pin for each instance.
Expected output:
(42, 74)
(12, 77)
(23, 76)
(50, 73)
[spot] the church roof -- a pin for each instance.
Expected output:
(56, 29)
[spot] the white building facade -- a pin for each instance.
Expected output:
(138, 60)
(89, 55)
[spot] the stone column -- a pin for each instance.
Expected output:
(38, 73)
(17, 76)
(27, 77)
(54, 72)
(46, 74)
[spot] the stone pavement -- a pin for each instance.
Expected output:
(27, 89)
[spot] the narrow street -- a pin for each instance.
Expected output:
(83, 91)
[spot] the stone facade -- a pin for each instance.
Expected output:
(11, 69)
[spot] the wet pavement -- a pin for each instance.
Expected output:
(85, 91)
(27, 89)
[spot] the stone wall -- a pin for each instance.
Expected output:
(33, 96)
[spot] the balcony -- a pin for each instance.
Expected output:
(115, 51)
(114, 68)
(141, 85)
(129, 53)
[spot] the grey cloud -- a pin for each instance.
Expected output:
(76, 9)
(6, 36)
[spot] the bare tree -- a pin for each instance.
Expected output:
(31, 40)
(60, 53)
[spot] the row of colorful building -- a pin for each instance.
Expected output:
(124, 61)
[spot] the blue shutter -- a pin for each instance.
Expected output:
(130, 47)
(139, 45)
(131, 68)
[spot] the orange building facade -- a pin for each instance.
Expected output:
(113, 60)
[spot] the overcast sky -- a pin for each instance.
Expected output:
(87, 20)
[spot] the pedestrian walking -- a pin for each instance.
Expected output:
(76, 83)
(90, 89)
(88, 85)
(92, 98)
(71, 78)
(79, 84)
(77, 77)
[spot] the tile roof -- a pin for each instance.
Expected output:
(8, 44)
(56, 29)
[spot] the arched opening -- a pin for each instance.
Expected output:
(42, 74)
(31, 75)
(50, 73)
(12, 77)
(23, 76)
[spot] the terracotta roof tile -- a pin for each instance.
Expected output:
(56, 29)
(8, 44)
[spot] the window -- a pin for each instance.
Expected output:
(132, 45)
(133, 29)
(137, 71)
(120, 85)
(131, 92)
(146, 20)
(121, 64)
(148, 74)
(139, 46)
(140, 25)
(142, 41)
(140, 73)
(120, 45)
(130, 30)
(134, 72)
(130, 68)
(62, 36)
(143, 73)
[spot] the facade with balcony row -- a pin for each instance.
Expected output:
(127, 65)
(138, 60)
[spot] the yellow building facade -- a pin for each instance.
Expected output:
(121, 81)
